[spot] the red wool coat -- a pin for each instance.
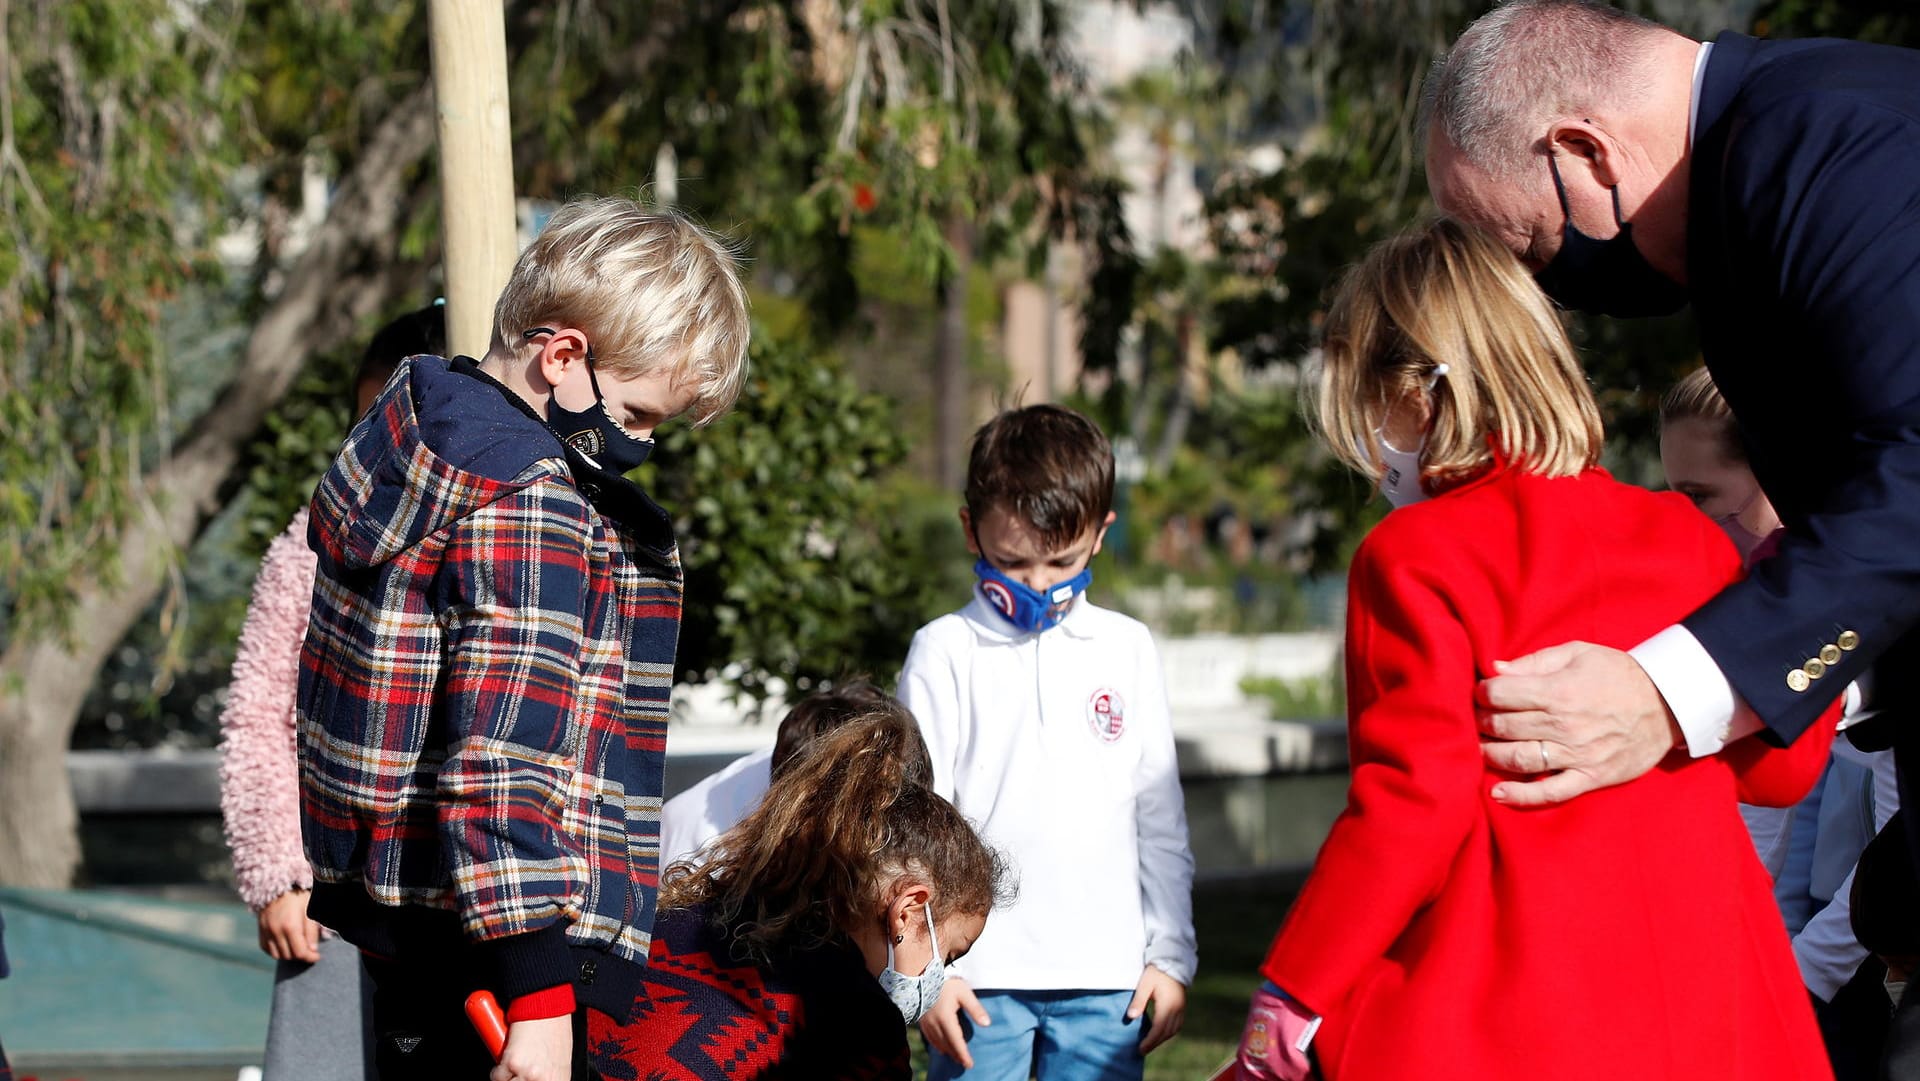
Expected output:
(1628, 933)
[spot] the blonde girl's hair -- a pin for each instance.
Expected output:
(651, 287)
(838, 829)
(1446, 294)
(1696, 397)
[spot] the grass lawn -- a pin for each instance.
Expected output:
(1235, 920)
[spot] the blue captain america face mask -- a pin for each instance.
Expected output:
(1026, 608)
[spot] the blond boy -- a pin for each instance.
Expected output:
(485, 679)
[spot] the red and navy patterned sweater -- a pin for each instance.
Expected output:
(702, 1014)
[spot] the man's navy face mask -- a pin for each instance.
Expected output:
(593, 431)
(1605, 277)
(1026, 608)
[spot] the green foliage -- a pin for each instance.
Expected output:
(1334, 86)
(1891, 22)
(285, 459)
(801, 564)
(219, 111)
(107, 158)
(1291, 699)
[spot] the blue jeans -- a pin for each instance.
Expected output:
(1051, 1035)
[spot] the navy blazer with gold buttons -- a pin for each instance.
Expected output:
(1803, 264)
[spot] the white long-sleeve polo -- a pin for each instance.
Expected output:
(713, 806)
(1059, 747)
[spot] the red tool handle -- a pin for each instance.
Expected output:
(484, 1011)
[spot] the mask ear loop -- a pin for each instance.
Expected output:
(1560, 187)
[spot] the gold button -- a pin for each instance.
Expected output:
(1814, 669)
(1798, 680)
(1830, 654)
(1848, 640)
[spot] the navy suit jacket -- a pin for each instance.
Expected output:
(1803, 262)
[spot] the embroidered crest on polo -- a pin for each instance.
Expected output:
(1107, 714)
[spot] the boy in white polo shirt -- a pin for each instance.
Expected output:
(1047, 720)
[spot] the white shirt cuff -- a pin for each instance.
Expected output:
(1856, 704)
(1710, 714)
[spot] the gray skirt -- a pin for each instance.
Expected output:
(319, 1030)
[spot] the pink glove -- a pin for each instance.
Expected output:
(1273, 1046)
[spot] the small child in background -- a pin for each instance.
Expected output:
(718, 803)
(1812, 848)
(1705, 460)
(318, 1025)
(1048, 724)
(817, 929)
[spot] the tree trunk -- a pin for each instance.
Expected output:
(346, 274)
(478, 234)
(952, 407)
(1180, 414)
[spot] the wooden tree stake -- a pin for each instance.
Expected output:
(476, 164)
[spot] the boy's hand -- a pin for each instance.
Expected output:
(1168, 997)
(537, 1051)
(941, 1025)
(285, 931)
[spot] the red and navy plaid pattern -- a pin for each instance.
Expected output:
(703, 1016)
(486, 675)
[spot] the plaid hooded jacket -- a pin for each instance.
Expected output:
(484, 691)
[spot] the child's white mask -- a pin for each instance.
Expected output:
(1400, 482)
(915, 995)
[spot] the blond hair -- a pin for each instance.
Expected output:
(1696, 397)
(651, 287)
(1444, 293)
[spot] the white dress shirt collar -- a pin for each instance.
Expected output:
(1699, 81)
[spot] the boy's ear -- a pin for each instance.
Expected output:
(966, 530)
(1100, 538)
(560, 352)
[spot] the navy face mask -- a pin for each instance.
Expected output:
(1605, 277)
(593, 431)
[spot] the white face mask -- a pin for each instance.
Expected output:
(1400, 483)
(915, 995)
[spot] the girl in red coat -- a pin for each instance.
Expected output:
(1628, 933)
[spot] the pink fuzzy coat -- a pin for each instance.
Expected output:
(259, 773)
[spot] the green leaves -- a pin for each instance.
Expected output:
(800, 562)
(118, 140)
